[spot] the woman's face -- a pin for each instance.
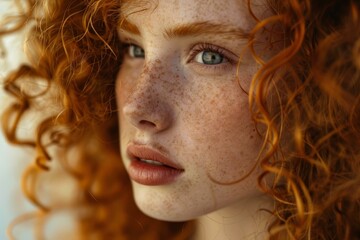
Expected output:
(184, 120)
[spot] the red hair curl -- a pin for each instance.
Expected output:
(306, 96)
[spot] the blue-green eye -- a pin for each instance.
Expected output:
(135, 51)
(209, 57)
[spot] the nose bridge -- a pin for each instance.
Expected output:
(152, 73)
(148, 85)
(146, 106)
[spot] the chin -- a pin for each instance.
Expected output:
(178, 202)
(158, 204)
(156, 211)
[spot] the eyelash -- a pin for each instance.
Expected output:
(198, 48)
(195, 50)
(206, 47)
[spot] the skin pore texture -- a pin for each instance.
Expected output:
(173, 100)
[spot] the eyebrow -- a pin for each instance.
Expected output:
(191, 29)
(129, 27)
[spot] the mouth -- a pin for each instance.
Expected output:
(151, 162)
(149, 166)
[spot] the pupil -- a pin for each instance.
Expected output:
(211, 58)
(137, 51)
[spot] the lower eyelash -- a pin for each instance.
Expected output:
(214, 69)
(207, 47)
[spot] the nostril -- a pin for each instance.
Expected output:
(147, 123)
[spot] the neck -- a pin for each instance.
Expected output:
(243, 220)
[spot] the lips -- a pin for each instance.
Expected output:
(149, 166)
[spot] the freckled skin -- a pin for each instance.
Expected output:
(202, 119)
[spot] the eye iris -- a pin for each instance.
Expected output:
(209, 57)
(136, 51)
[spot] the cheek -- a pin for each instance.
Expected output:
(124, 85)
(123, 89)
(225, 143)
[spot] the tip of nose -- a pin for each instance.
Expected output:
(146, 117)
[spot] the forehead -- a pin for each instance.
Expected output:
(157, 13)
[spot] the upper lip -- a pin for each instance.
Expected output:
(142, 151)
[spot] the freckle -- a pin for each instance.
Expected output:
(146, 70)
(251, 136)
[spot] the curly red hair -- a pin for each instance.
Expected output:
(306, 96)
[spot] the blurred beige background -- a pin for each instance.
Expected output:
(12, 159)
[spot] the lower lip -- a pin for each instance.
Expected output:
(152, 175)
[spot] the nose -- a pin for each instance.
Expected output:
(146, 106)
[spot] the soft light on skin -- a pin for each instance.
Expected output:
(196, 111)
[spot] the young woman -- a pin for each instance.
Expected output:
(234, 119)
